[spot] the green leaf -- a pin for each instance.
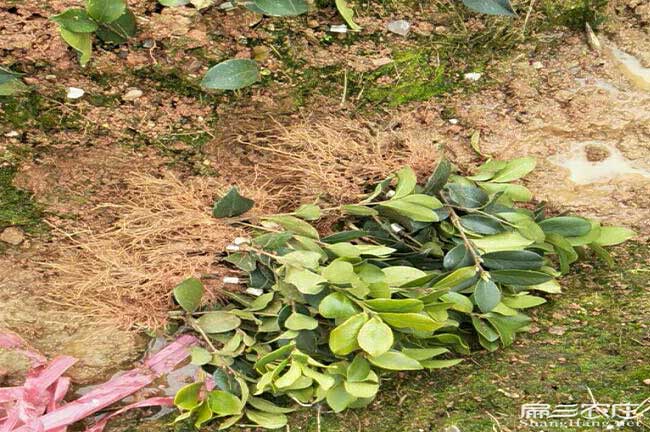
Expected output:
(232, 204)
(308, 212)
(188, 397)
(10, 83)
(105, 11)
(611, 235)
(439, 178)
(514, 170)
(520, 277)
(395, 305)
(507, 326)
(343, 339)
(218, 322)
(406, 182)
(486, 295)
(282, 8)
(75, 20)
(269, 407)
(490, 7)
(202, 414)
(339, 272)
(242, 260)
(120, 30)
(289, 378)
(375, 338)
(348, 14)
(82, 42)
(293, 224)
(394, 360)
(502, 242)
(417, 207)
(306, 281)
(232, 74)
(359, 210)
(480, 224)
(370, 273)
(300, 259)
(267, 420)
(440, 364)
(420, 354)
(484, 329)
(359, 369)
(223, 403)
(460, 302)
(297, 321)
(397, 276)
(361, 389)
(337, 306)
(279, 353)
(338, 398)
(272, 241)
(523, 301)
(455, 278)
(188, 294)
(520, 260)
(413, 321)
(200, 356)
(466, 196)
(512, 191)
(566, 226)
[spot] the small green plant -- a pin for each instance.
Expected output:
(110, 20)
(10, 83)
(414, 276)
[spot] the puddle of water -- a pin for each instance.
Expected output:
(632, 68)
(594, 162)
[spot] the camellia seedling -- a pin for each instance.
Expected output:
(110, 20)
(414, 276)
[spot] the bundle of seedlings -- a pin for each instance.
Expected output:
(415, 276)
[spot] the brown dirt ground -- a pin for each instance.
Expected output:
(89, 175)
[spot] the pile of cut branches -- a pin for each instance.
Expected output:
(416, 275)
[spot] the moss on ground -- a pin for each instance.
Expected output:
(16, 205)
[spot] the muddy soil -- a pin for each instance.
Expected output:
(551, 97)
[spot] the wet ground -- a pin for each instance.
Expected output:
(301, 133)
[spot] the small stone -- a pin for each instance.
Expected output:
(400, 27)
(473, 76)
(453, 121)
(312, 23)
(75, 93)
(341, 28)
(538, 65)
(452, 429)
(558, 331)
(12, 235)
(12, 134)
(132, 95)
(50, 77)
(646, 381)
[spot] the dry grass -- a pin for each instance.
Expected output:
(163, 234)
(334, 160)
(163, 230)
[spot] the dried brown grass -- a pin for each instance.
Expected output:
(164, 233)
(334, 160)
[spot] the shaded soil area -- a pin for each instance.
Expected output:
(113, 195)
